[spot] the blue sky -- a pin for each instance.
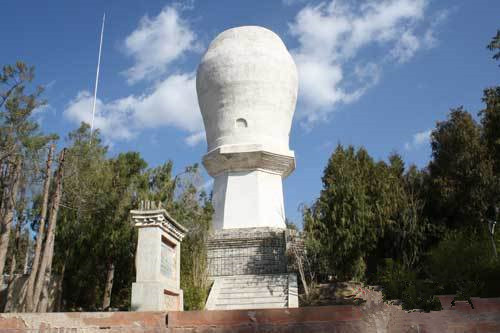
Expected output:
(375, 73)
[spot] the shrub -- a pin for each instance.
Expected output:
(400, 283)
(463, 264)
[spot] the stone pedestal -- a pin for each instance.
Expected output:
(247, 251)
(157, 286)
(249, 269)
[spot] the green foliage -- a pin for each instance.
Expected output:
(460, 172)
(490, 121)
(463, 263)
(19, 133)
(364, 208)
(494, 45)
(195, 212)
(94, 224)
(416, 232)
(401, 283)
(341, 225)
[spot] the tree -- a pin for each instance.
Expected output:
(345, 222)
(7, 210)
(494, 45)
(45, 274)
(84, 198)
(20, 140)
(30, 302)
(490, 121)
(194, 210)
(117, 231)
(460, 172)
(366, 211)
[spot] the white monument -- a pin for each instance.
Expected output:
(158, 260)
(247, 89)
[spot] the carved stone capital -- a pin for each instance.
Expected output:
(254, 158)
(159, 218)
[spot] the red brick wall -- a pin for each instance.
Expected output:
(373, 316)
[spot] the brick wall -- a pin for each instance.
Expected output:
(372, 316)
(247, 251)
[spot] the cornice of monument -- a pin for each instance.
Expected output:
(159, 218)
(244, 157)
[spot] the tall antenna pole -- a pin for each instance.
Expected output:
(97, 77)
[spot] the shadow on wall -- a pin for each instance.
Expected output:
(247, 251)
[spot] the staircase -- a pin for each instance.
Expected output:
(253, 292)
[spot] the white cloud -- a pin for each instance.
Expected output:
(172, 102)
(418, 140)
(430, 40)
(157, 42)
(333, 41)
(406, 47)
(112, 118)
(195, 138)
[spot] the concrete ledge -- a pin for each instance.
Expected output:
(370, 317)
(83, 322)
(225, 318)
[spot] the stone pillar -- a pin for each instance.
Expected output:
(157, 286)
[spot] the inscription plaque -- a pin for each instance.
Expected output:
(167, 266)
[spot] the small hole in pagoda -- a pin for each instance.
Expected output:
(241, 123)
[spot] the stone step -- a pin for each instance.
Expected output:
(251, 284)
(250, 300)
(267, 289)
(256, 277)
(254, 285)
(249, 292)
(256, 282)
(252, 306)
(253, 295)
(245, 294)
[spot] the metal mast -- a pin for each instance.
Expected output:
(97, 77)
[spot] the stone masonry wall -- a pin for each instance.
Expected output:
(247, 251)
(372, 316)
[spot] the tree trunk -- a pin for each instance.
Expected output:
(44, 300)
(60, 282)
(12, 270)
(27, 257)
(7, 211)
(30, 301)
(109, 286)
(15, 251)
(44, 273)
(299, 260)
(303, 278)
